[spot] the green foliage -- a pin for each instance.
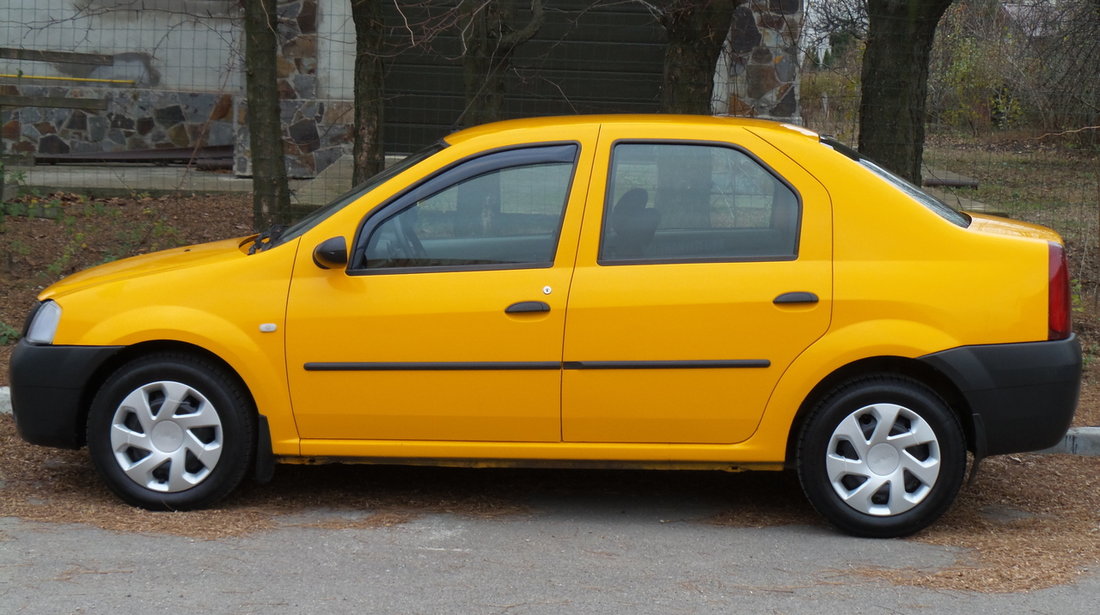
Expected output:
(969, 85)
(8, 334)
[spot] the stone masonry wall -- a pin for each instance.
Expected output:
(761, 70)
(135, 119)
(315, 132)
(764, 59)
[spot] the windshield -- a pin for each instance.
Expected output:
(310, 220)
(942, 209)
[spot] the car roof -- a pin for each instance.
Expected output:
(588, 120)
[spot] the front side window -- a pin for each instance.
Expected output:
(671, 202)
(500, 218)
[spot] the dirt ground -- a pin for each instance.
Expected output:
(1029, 521)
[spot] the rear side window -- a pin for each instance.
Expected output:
(683, 202)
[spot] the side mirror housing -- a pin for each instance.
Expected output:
(331, 253)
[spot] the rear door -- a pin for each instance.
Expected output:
(710, 272)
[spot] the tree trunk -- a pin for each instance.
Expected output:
(895, 82)
(368, 152)
(696, 31)
(270, 194)
(489, 42)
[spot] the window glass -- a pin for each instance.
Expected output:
(675, 202)
(297, 229)
(505, 217)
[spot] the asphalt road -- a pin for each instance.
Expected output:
(590, 552)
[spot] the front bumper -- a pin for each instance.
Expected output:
(50, 389)
(1021, 396)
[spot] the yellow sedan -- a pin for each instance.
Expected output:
(649, 291)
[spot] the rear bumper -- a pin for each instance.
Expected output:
(48, 390)
(1021, 396)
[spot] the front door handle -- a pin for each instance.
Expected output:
(524, 307)
(796, 297)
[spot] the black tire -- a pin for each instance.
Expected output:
(902, 476)
(184, 460)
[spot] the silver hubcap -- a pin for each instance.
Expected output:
(883, 459)
(166, 436)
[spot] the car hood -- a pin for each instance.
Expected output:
(149, 264)
(1002, 226)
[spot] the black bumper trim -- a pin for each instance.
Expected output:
(1022, 396)
(47, 390)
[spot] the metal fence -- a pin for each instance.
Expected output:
(155, 88)
(148, 95)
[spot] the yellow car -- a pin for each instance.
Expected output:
(644, 291)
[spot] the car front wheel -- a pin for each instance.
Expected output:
(171, 432)
(882, 457)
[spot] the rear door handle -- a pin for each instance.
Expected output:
(524, 307)
(795, 297)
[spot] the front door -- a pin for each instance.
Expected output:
(448, 323)
(710, 274)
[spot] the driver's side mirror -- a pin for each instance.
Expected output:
(331, 253)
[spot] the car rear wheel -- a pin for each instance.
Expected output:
(171, 432)
(882, 457)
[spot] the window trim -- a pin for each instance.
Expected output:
(307, 222)
(603, 261)
(459, 171)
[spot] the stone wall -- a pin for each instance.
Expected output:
(315, 132)
(761, 61)
(758, 76)
(135, 119)
(141, 116)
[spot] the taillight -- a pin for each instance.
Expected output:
(1059, 302)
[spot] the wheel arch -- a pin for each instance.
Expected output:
(913, 369)
(136, 351)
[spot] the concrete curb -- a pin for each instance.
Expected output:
(1078, 441)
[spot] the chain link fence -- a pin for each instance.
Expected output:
(148, 95)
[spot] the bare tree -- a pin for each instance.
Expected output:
(895, 81)
(270, 193)
(368, 151)
(839, 17)
(489, 39)
(696, 31)
(1069, 52)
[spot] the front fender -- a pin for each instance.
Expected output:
(255, 355)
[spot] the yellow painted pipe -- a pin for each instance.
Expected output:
(81, 79)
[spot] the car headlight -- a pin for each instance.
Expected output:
(44, 323)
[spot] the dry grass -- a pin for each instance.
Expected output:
(59, 486)
(1030, 522)
(1027, 523)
